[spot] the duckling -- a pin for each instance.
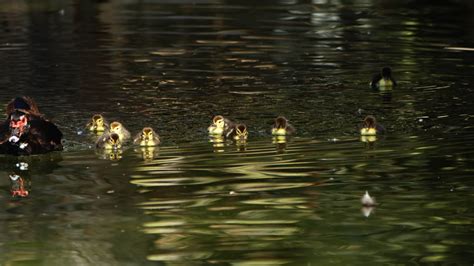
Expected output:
(109, 141)
(147, 138)
(239, 133)
(383, 80)
(220, 126)
(367, 200)
(281, 127)
(26, 131)
(370, 127)
(119, 129)
(97, 124)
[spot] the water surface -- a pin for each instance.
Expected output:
(174, 64)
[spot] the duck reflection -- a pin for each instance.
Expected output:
(19, 186)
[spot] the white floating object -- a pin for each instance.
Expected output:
(367, 200)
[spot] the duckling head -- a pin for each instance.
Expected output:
(97, 123)
(241, 132)
(113, 142)
(279, 127)
(148, 137)
(218, 125)
(386, 72)
(116, 127)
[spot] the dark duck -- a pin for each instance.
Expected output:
(383, 80)
(26, 131)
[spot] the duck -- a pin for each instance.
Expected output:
(281, 127)
(97, 124)
(120, 130)
(109, 141)
(383, 80)
(371, 127)
(220, 126)
(367, 200)
(239, 132)
(147, 138)
(25, 130)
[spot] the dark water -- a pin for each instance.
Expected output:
(174, 64)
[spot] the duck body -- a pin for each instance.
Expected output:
(147, 138)
(26, 132)
(281, 127)
(383, 80)
(220, 127)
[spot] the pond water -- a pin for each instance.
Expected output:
(174, 64)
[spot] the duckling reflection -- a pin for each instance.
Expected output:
(19, 186)
(281, 127)
(97, 124)
(147, 138)
(383, 81)
(218, 143)
(220, 126)
(148, 153)
(120, 130)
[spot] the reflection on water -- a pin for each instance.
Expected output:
(173, 65)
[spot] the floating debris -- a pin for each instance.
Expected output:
(367, 200)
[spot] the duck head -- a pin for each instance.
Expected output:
(241, 132)
(19, 124)
(97, 123)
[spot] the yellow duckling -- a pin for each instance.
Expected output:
(147, 138)
(383, 80)
(97, 124)
(367, 200)
(282, 127)
(109, 141)
(119, 129)
(220, 126)
(370, 127)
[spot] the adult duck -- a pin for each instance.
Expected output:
(25, 131)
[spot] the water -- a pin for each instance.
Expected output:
(174, 64)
